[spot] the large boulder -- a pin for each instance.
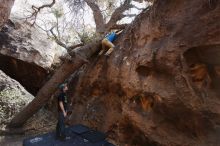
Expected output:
(21, 41)
(13, 98)
(5, 9)
(161, 85)
(27, 54)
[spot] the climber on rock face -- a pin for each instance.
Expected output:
(62, 112)
(107, 42)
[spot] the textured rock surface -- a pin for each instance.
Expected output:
(5, 9)
(161, 84)
(13, 97)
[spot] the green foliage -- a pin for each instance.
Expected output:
(58, 12)
(88, 36)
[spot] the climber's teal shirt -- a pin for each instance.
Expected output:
(111, 36)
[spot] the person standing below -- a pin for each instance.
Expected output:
(107, 42)
(62, 112)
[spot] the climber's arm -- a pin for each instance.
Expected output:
(118, 32)
(62, 108)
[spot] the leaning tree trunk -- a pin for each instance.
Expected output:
(44, 94)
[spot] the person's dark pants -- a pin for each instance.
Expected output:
(60, 129)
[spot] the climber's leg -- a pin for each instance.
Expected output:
(101, 52)
(60, 128)
(103, 47)
(106, 43)
(111, 46)
(109, 51)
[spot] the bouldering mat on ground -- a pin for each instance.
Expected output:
(79, 129)
(94, 136)
(76, 137)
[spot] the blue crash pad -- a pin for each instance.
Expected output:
(78, 135)
(79, 129)
(94, 136)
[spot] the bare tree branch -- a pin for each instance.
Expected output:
(57, 28)
(38, 9)
(98, 17)
(75, 46)
(130, 15)
(137, 7)
(57, 39)
(119, 26)
(118, 13)
(54, 36)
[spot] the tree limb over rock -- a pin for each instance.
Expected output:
(79, 56)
